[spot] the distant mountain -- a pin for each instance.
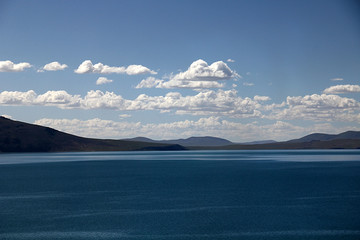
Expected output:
(327, 137)
(18, 136)
(200, 141)
(141, 139)
(345, 140)
(259, 142)
(192, 141)
(332, 144)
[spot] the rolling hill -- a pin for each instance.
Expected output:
(345, 140)
(18, 136)
(350, 135)
(192, 141)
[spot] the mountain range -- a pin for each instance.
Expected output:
(18, 136)
(192, 141)
(327, 137)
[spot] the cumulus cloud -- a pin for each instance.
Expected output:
(322, 101)
(339, 89)
(205, 103)
(53, 66)
(51, 98)
(337, 79)
(230, 60)
(201, 71)
(96, 128)
(198, 76)
(17, 98)
(58, 98)
(88, 67)
(138, 69)
(319, 108)
(152, 82)
(124, 116)
(103, 80)
(261, 98)
(108, 100)
(9, 66)
(213, 126)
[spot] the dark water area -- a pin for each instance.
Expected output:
(181, 195)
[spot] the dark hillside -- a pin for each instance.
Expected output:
(18, 136)
(192, 141)
(328, 137)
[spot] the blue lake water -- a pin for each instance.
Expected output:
(181, 195)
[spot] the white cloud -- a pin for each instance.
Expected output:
(230, 60)
(7, 116)
(53, 66)
(103, 80)
(9, 66)
(339, 89)
(51, 98)
(261, 98)
(152, 82)
(88, 67)
(138, 69)
(247, 84)
(58, 98)
(124, 116)
(192, 84)
(96, 128)
(337, 79)
(319, 108)
(108, 100)
(198, 76)
(210, 126)
(201, 71)
(322, 101)
(205, 103)
(18, 98)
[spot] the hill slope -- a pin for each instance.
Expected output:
(18, 136)
(192, 141)
(332, 144)
(345, 140)
(327, 137)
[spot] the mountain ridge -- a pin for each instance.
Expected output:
(327, 137)
(16, 136)
(191, 141)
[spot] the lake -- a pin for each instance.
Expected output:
(307, 194)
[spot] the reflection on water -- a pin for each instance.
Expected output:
(264, 155)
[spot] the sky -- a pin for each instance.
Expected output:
(240, 70)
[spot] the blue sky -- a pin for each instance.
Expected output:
(243, 70)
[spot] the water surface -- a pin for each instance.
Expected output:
(181, 195)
